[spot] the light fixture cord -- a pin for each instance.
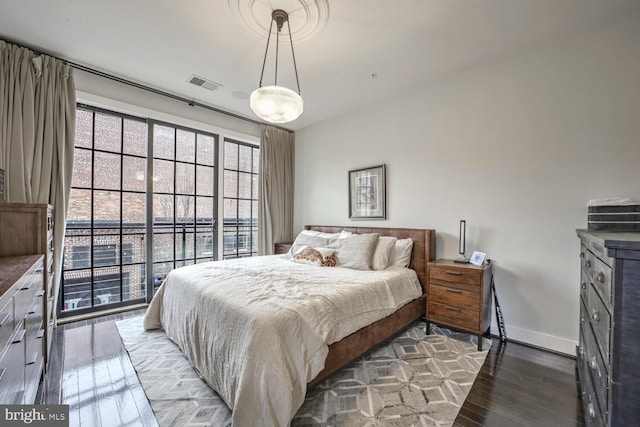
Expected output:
(264, 61)
(277, 48)
(295, 68)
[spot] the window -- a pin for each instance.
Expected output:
(106, 215)
(184, 202)
(241, 163)
(125, 232)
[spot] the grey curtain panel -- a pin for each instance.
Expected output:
(37, 131)
(275, 193)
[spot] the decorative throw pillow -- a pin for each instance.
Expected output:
(402, 252)
(355, 251)
(307, 240)
(308, 255)
(330, 261)
(383, 253)
(315, 256)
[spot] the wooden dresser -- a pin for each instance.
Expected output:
(459, 296)
(27, 229)
(608, 354)
(21, 328)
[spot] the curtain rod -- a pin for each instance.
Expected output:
(131, 83)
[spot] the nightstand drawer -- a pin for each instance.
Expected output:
(460, 276)
(281, 248)
(454, 297)
(454, 316)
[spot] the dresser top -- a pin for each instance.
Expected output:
(12, 268)
(615, 240)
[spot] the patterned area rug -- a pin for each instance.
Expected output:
(412, 380)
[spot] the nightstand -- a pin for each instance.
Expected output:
(281, 248)
(459, 296)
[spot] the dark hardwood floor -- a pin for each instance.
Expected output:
(91, 371)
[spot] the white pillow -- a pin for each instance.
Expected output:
(402, 252)
(304, 239)
(321, 234)
(355, 251)
(383, 253)
(340, 235)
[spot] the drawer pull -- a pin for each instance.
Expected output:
(33, 309)
(26, 286)
(582, 254)
(455, 291)
(19, 336)
(33, 358)
(448, 307)
(454, 273)
(591, 411)
(3, 318)
(593, 363)
(581, 352)
(600, 277)
(582, 319)
(588, 264)
(584, 286)
(40, 333)
(596, 315)
(40, 293)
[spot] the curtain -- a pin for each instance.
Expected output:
(37, 131)
(275, 193)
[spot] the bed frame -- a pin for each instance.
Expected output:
(355, 345)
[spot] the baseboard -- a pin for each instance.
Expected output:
(538, 339)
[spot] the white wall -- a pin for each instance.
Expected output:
(517, 147)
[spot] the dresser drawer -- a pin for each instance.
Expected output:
(7, 325)
(593, 417)
(449, 295)
(596, 368)
(28, 287)
(602, 282)
(600, 322)
(454, 316)
(464, 278)
(585, 284)
(587, 261)
(12, 369)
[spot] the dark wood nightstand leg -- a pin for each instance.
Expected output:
(427, 327)
(480, 339)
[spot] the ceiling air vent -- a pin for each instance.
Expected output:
(202, 82)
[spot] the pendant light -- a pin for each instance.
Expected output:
(277, 104)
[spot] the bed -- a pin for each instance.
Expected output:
(276, 344)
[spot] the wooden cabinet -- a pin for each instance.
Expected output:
(459, 296)
(21, 328)
(27, 229)
(609, 339)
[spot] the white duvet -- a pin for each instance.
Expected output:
(257, 329)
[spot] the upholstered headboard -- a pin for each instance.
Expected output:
(424, 243)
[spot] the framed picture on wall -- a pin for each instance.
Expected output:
(367, 188)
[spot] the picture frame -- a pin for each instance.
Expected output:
(367, 193)
(477, 258)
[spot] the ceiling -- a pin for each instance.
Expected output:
(349, 53)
